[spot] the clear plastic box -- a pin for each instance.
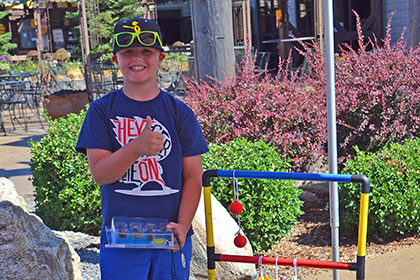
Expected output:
(136, 232)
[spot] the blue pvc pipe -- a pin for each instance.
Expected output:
(285, 175)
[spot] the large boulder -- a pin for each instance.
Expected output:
(79, 240)
(224, 230)
(28, 248)
(8, 193)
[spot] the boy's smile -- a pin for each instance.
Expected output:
(137, 68)
(138, 64)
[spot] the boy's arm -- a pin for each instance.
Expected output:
(107, 167)
(192, 172)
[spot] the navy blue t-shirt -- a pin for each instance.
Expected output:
(152, 186)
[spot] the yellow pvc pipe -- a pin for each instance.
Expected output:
(212, 274)
(209, 227)
(208, 216)
(363, 219)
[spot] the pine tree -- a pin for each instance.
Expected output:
(5, 46)
(111, 11)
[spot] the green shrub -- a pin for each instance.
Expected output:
(6, 38)
(66, 196)
(394, 174)
(26, 66)
(271, 207)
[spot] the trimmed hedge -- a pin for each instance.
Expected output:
(271, 207)
(394, 174)
(66, 196)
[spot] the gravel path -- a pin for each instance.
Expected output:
(89, 258)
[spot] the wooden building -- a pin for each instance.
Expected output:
(57, 31)
(274, 23)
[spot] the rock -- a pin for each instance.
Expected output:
(8, 193)
(79, 240)
(317, 188)
(32, 55)
(87, 247)
(62, 54)
(308, 196)
(28, 248)
(224, 230)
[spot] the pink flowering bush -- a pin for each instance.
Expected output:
(377, 96)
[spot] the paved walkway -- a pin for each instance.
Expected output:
(14, 165)
(15, 155)
(403, 264)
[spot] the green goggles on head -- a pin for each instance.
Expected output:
(145, 38)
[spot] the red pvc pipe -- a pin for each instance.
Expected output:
(286, 262)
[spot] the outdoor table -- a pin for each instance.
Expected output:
(11, 97)
(102, 81)
(13, 87)
(12, 83)
(17, 76)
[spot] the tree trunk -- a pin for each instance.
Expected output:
(414, 22)
(213, 39)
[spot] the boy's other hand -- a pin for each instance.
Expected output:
(150, 143)
(180, 230)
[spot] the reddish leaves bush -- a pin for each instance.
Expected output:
(281, 111)
(377, 92)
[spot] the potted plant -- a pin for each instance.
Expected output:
(63, 102)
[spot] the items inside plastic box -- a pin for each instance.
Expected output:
(136, 232)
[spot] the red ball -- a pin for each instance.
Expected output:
(236, 207)
(240, 241)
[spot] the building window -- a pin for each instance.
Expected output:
(305, 17)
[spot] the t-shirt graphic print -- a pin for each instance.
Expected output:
(146, 169)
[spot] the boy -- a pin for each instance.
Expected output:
(144, 149)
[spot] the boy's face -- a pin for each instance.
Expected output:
(138, 64)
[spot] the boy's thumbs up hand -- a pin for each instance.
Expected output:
(150, 143)
(148, 124)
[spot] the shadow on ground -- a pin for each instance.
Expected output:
(24, 142)
(15, 172)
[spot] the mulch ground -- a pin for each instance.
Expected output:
(311, 240)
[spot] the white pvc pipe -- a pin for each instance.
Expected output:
(332, 131)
